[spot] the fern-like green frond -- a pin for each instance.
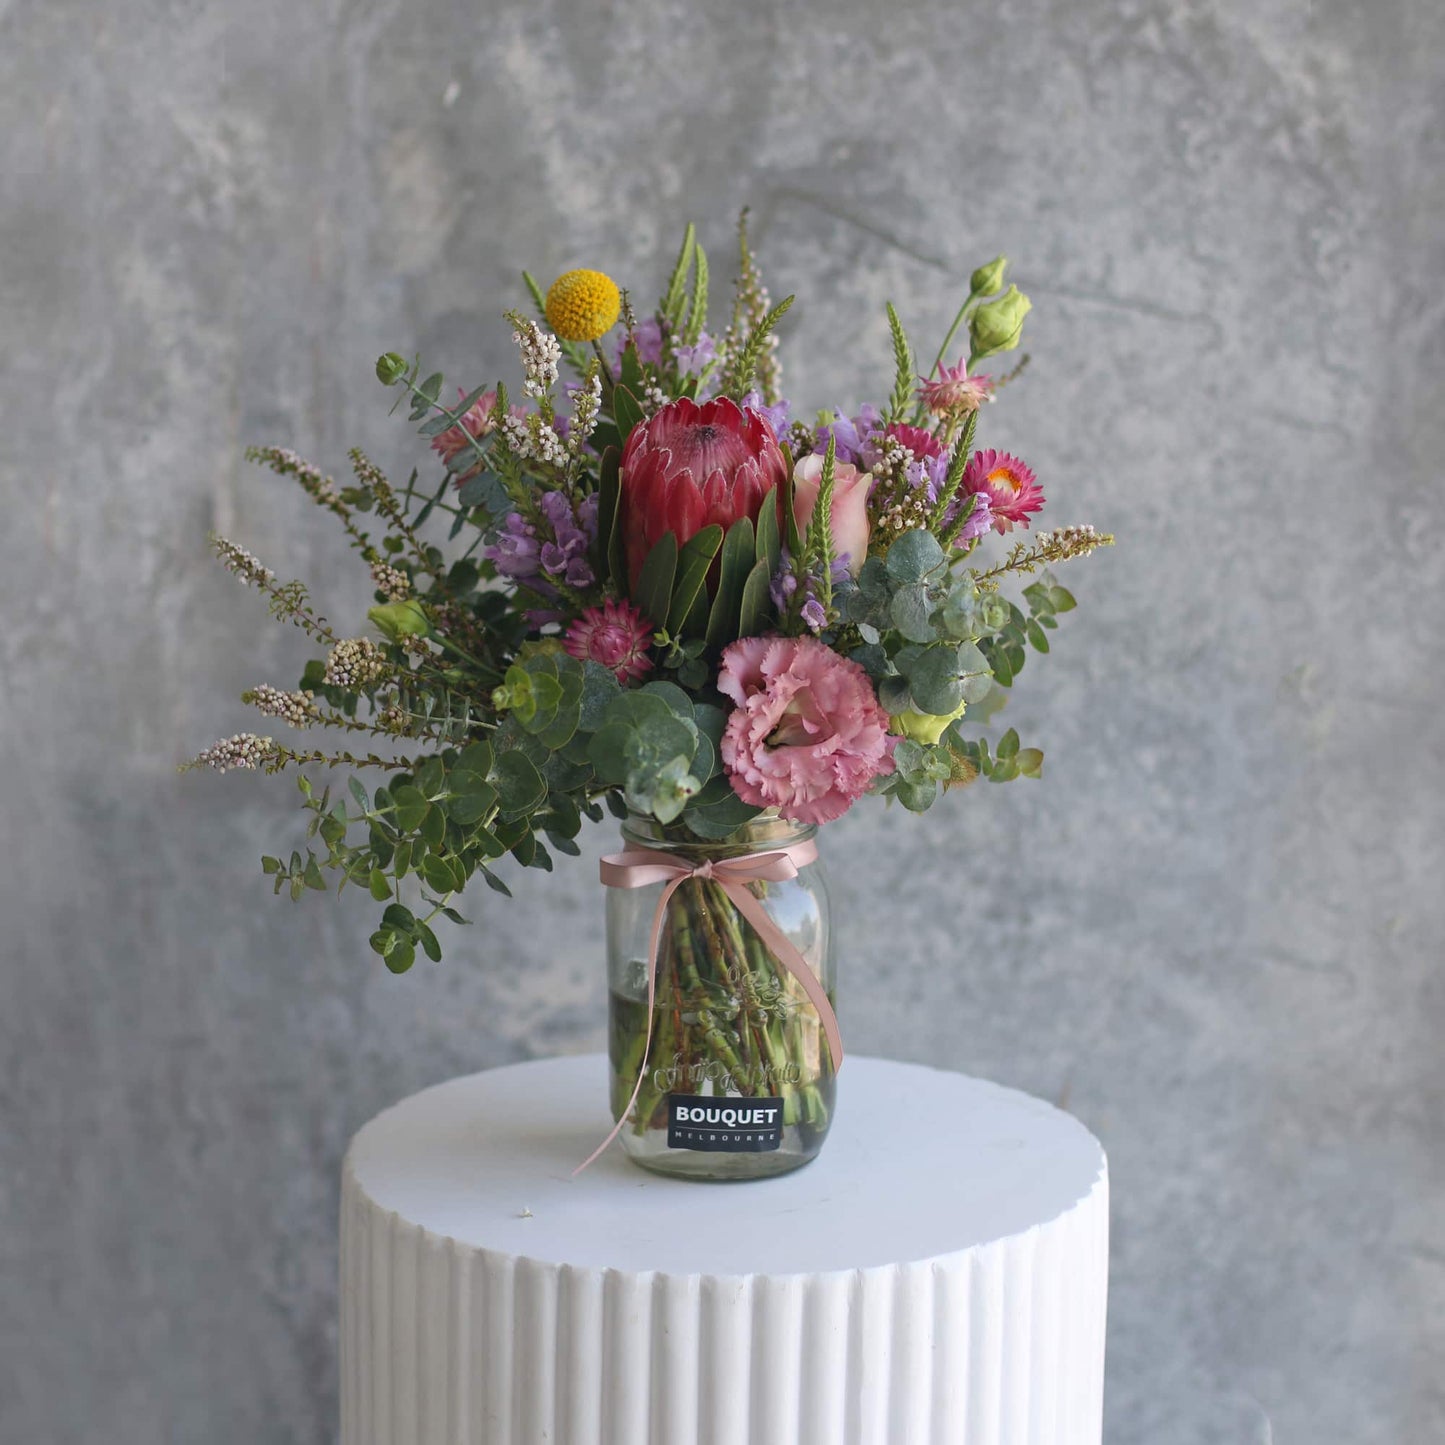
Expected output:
(697, 310)
(903, 368)
(741, 371)
(676, 295)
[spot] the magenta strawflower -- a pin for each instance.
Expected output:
(616, 635)
(953, 392)
(1008, 484)
(807, 736)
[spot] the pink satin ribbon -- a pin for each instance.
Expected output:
(639, 867)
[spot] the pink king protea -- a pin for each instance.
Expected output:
(1008, 484)
(617, 635)
(689, 466)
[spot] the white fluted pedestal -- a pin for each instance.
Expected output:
(936, 1277)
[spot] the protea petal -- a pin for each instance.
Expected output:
(691, 465)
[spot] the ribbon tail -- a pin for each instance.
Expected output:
(652, 943)
(782, 949)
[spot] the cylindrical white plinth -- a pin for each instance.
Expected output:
(936, 1277)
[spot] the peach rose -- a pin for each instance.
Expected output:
(849, 527)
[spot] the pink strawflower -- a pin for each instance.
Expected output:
(807, 736)
(954, 391)
(617, 635)
(1008, 484)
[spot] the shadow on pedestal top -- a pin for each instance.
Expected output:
(920, 1163)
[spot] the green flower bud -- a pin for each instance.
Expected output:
(987, 279)
(401, 619)
(923, 727)
(390, 368)
(997, 325)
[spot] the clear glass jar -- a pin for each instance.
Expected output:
(738, 1080)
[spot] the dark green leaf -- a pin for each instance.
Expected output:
(769, 540)
(402, 955)
(494, 883)
(756, 606)
(1008, 744)
(434, 827)
(380, 885)
(612, 556)
(693, 563)
(519, 785)
(626, 411)
(473, 804)
(654, 584)
(411, 807)
(737, 561)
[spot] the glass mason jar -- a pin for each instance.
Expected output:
(738, 1080)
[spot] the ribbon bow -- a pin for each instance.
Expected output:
(640, 867)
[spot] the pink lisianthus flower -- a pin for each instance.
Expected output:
(1009, 485)
(807, 736)
(953, 392)
(616, 635)
(848, 518)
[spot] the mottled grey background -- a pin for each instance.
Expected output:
(1213, 931)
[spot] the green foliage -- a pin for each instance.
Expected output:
(1008, 648)
(688, 610)
(649, 743)
(675, 297)
(1007, 762)
(818, 549)
(738, 377)
(653, 593)
(697, 306)
(626, 411)
(902, 369)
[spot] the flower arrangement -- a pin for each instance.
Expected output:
(662, 592)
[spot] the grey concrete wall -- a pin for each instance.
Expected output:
(1214, 930)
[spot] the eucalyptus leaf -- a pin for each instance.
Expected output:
(914, 556)
(519, 785)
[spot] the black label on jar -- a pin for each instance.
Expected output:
(724, 1125)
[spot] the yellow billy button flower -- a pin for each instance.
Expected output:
(583, 305)
(923, 727)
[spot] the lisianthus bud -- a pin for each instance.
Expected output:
(401, 619)
(923, 727)
(390, 368)
(987, 279)
(997, 325)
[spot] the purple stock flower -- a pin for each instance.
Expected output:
(979, 520)
(694, 358)
(566, 555)
(530, 558)
(776, 416)
(516, 552)
(648, 340)
(813, 614)
(850, 436)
